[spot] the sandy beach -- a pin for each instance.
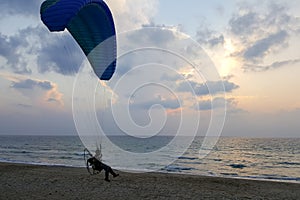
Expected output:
(19, 181)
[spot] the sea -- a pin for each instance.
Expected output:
(273, 159)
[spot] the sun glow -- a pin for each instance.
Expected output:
(228, 63)
(229, 47)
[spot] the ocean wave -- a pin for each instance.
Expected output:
(274, 177)
(187, 158)
(171, 168)
(217, 160)
(38, 163)
(190, 162)
(288, 163)
(16, 151)
(79, 153)
(229, 174)
(238, 166)
(65, 157)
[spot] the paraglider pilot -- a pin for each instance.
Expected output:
(97, 165)
(90, 23)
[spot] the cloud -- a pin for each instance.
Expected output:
(132, 14)
(169, 104)
(17, 7)
(152, 35)
(37, 90)
(275, 65)
(208, 105)
(36, 46)
(11, 49)
(149, 44)
(230, 86)
(55, 52)
(128, 14)
(216, 87)
(30, 84)
(60, 54)
(24, 105)
(206, 36)
(244, 24)
(261, 47)
(260, 32)
(216, 40)
(267, 19)
(228, 77)
(231, 105)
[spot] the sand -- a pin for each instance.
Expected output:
(19, 181)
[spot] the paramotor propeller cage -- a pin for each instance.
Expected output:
(87, 154)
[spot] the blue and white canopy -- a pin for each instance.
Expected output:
(91, 24)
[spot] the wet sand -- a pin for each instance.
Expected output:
(19, 181)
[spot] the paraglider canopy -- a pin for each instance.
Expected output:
(91, 24)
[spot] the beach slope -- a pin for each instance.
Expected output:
(19, 181)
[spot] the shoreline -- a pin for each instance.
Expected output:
(23, 181)
(160, 172)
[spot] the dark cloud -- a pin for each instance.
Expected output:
(9, 49)
(208, 105)
(230, 86)
(216, 40)
(244, 24)
(6, 49)
(261, 32)
(261, 47)
(278, 15)
(219, 102)
(31, 84)
(209, 37)
(250, 21)
(61, 54)
(37, 91)
(53, 51)
(275, 65)
(208, 88)
(18, 49)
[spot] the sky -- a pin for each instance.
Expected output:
(251, 47)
